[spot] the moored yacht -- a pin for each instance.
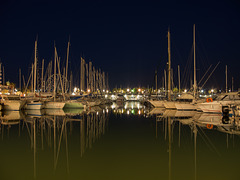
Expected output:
(215, 106)
(34, 104)
(12, 102)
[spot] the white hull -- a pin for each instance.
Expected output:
(54, 105)
(157, 104)
(13, 105)
(210, 107)
(185, 106)
(169, 104)
(34, 106)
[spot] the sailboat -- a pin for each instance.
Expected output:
(187, 101)
(54, 104)
(164, 103)
(12, 102)
(34, 103)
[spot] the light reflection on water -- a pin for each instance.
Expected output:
(121, 141)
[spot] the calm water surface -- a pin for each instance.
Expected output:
(128, 142)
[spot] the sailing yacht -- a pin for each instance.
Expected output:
(32, 102)
(12, 102)
(54, 104)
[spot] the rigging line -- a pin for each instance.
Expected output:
(187, 68)
(210, 74)
(204, 74)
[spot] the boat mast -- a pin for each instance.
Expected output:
(35, 67)
(42, 87)
(165, 82)
(226, 80)
(169, 67)
(67, 65)
(54, 75)
(194, 58)
(20, 88)
(179, 79)
(156, 80)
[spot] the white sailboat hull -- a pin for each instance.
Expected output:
(34, 106)
(54, 105)
(157, 104)
(185, 106)
(13, 105)
(169, 104)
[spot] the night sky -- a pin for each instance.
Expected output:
(127, 39)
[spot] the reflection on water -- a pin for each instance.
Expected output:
(125, 141)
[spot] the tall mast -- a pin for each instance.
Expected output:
(35, 67)
(165, 81)
(156, 79)
(67, 65)
(179, 79)
(20, 88)
(226, 80)
(42, 87)
(54, 75)
(169, 67)
(194, 58)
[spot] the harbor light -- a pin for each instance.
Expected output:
(185, 90)
(139, 112)
(88, 90)
(75, 89)
(128, 90)
(139, 90)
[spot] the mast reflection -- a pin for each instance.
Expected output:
(55, 128)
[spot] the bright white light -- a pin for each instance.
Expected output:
(104, 90)
(127, 112)
(73, 93)
(212, 90)
(202, 91)
(88, 90)
(139, 112)
(107, 91)
(75, 89)
(139, 90)
(128, 90)
(185, 90)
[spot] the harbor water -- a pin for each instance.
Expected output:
(125, 141)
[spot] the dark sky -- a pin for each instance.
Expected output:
(127, 39)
